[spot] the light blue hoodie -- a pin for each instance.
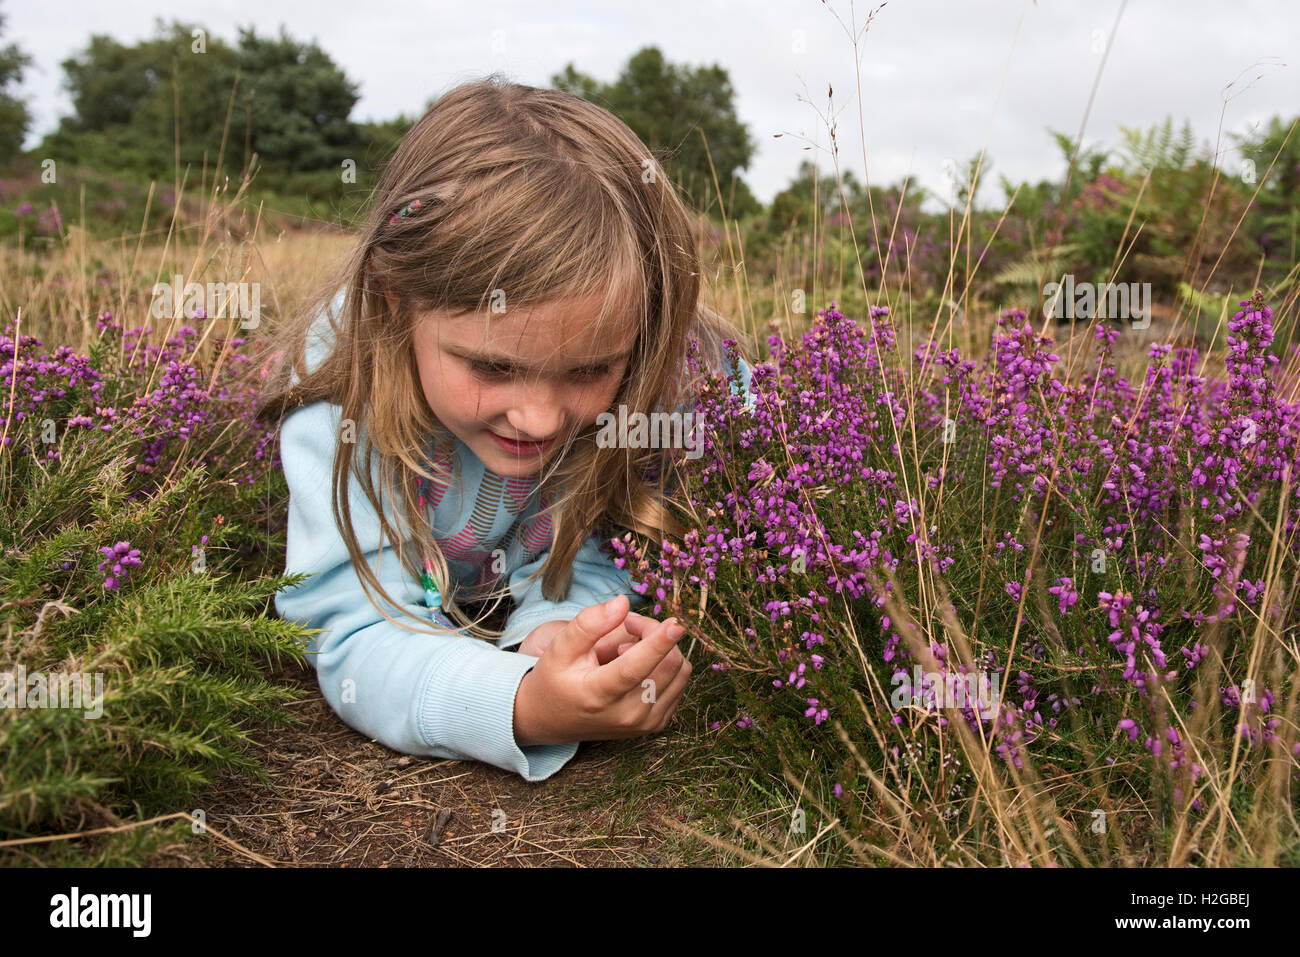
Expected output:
(448, 696)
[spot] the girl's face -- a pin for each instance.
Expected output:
(512, 387)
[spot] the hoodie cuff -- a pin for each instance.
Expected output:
(478, 721)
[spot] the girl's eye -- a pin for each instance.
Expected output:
(491, 370)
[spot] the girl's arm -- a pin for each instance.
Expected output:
(448, 696)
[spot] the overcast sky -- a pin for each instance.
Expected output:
(940, 79)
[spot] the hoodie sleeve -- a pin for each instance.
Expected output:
(746, 382)
(442, 696)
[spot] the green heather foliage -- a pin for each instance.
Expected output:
(135, 547)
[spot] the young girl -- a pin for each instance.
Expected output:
(525, 266)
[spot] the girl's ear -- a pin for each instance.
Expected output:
(388, 295)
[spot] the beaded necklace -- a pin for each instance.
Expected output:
(432, 596)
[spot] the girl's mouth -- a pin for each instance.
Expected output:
(521, 448)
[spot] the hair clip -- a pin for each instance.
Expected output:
(404, 211)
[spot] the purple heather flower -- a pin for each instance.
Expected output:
(120, 557)
(818, 714)
(1066, 593)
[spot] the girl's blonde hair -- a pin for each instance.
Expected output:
(537, 195)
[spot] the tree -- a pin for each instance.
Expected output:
(669, 107)
(15, 118)
(124, 101)
(794, 206)
(579, 84)
(296, 102)
(382, 138)
(290, 103)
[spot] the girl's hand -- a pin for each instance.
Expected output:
(634, 628)
(540, 638)
(571, 695)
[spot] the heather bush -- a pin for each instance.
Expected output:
(142, 533)
(1006, 610)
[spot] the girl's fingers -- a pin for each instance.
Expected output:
(643, 701)
(607, 648)
(667, 670)
(666, 702)
(579, 637)
(638, 626)
(628, 670)
(634, 628)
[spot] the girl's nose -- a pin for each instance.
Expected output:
(535, 414)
